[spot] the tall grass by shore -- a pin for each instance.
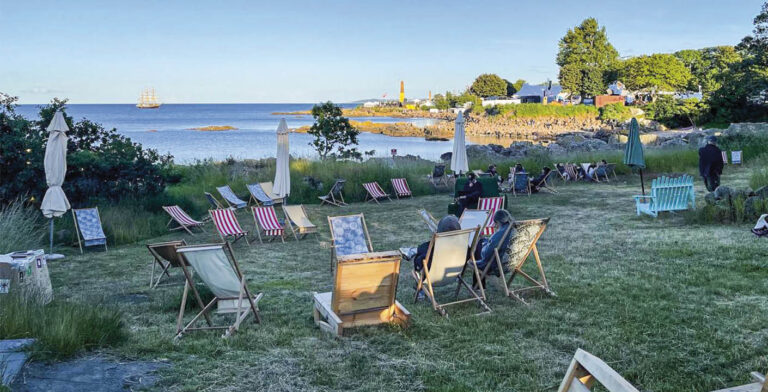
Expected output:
(21, 227)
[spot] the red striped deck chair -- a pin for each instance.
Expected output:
(570, 169)
(266, 222)
(227, 225)
(374, 192)
(490, 204)
(182, 219)
(401, 188)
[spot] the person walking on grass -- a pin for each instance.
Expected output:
(711, 163)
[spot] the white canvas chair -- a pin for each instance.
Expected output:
(298, 221)
(349, 236)
(217, 267)
(363, 294)
(268, 187)
(88, 228)
(182, 219)
(586, 370)
(448, 254)
(471, 219)
(429, 220)
(230, 197)
(165, 256)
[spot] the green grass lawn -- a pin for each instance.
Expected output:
(672, 307)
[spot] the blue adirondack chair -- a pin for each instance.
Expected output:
(667, 194)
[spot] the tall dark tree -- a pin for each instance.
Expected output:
(489, 85)
(334, 135)
(585, 52)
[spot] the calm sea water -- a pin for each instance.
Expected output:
(167, 130)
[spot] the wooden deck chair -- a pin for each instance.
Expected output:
(258, 196)
(521, 246)
(438, 176)
(226, 224)
(725, 157)
(297, 216)
(213, 202)
(166, 257)
(349, 236)
(400, 185)
(363, 294)
(570, 169)
(561, 175)
(448, 252)
(429, 220)
(88, 228)
(335, 196)
(267, 187)
(736, 157)
(521, 184)
(472, 219)
(374, 192)
(217, 267)
(265, 220)
(586, 369)
(548, 183)
(490, 204)
(601, 171)
(182, 219)
(230, 197)
(759, 385)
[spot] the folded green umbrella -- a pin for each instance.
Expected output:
(633, 151)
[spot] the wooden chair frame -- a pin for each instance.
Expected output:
(334, 257)
(268, 188)
(759, 385)
(527, 186)
(351, 303)
(253, 200)
(333, 201)
(259, 230)
(236, 237)
(542, 284)
(429, 220)
(77, 228)
(229, 203)
(423, 279)
(213, 201)
(394, 188)
(570, 168)
(547, 184)
(164, 263)
(435, 181)
(297, 231)
(241, 312)
(181, 226)
(585, 369)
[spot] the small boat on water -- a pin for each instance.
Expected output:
(148, 100)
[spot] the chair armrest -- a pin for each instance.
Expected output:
(644, 197)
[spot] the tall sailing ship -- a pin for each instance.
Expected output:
(148, 100)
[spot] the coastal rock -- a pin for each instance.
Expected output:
(674, 143)
(709, 198)
(695, 138)
(556, 149)
(751, 205)
(446, 156)
(590, 145)
(756, 129)
(479, 151)
(723, 192)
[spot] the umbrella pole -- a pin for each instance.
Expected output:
(642, 183)
(51, 236)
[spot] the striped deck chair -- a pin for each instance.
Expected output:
(448, 252)
(297, 216)
(586, 370)
(182, 219)
(349, 235)
(166, 257)
(213, 202)
(216, 266)
(429, 220)
(227, 225)
(88, 227)
(258, 196)
(725, 157)
(570, 169)
(267, 187)
(374, 192)
(230, 197)
(490, 204)
(562, 175)
(400, 185)
(335, 196)
(266, 222)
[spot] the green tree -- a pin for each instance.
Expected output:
(489, 85)
(708, 66)
(332, 131)
(513, 88)
(657, 72)
(584, 53)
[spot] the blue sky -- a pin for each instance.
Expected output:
(307, 51)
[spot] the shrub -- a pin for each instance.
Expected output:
(21, 225)
(759, 179)
(525, 110)
(615, 112)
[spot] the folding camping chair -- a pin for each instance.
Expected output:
(213, 202)
(585, 369)
(258, 196)
(182, 219)
(472, 219)
(438, 176)
(725, 157)
(227, 225)
(88, 227)
(297, 216)
(374, 192)
(349, 236)
(166, 257)
(448, 254)
(400, 185)
(429, 220)
(363, 294)
(520, 183)
(527, 232)
(490, 204)
(267, 187)
(736, 157)
(334, 196)
(216, 265)
(230, 197)
(266, 221)
(760, 384)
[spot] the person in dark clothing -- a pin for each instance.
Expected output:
(470, 194)
(484, 253)
(538, 182)
(492, 170)
(711, 163)
(519, 168)
(448, 223)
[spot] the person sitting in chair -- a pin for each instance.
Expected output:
(484, 253)
(519, 168)
(540, 180)
(493, 173)
(447, 223)
(470, 194)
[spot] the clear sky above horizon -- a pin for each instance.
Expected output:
(308, 51)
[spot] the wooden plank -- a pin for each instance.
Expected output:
(603, 373)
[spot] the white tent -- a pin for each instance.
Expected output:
(55, 202)
(282, 187)
(459, 163)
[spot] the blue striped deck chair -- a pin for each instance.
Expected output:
(520, 184)
(230, 197)
(258, 195)
(88, 227)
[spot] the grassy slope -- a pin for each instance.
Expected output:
(669, 306)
